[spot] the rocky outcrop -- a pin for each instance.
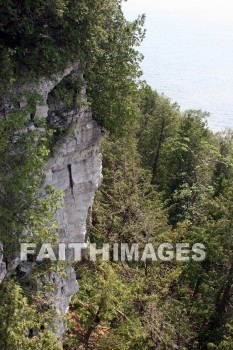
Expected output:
(75, 168)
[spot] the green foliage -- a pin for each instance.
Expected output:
(166, 180)
(112, 91)
(25, 207)
(127, 206)
(20, 322)
(41, 40)
(158, 126)
(178, 148)
(105, 304)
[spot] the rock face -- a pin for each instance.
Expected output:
(76, 169)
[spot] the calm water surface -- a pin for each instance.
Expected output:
(192, 63)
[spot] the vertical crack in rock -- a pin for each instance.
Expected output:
(69, 167)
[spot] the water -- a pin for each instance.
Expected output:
(192, 63)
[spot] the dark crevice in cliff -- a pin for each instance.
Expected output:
(69, 167)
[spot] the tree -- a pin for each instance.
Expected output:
(21, 325)
(158, 124)
(35, 40)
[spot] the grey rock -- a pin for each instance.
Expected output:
(76, 169)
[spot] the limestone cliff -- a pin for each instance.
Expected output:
(75, 168)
